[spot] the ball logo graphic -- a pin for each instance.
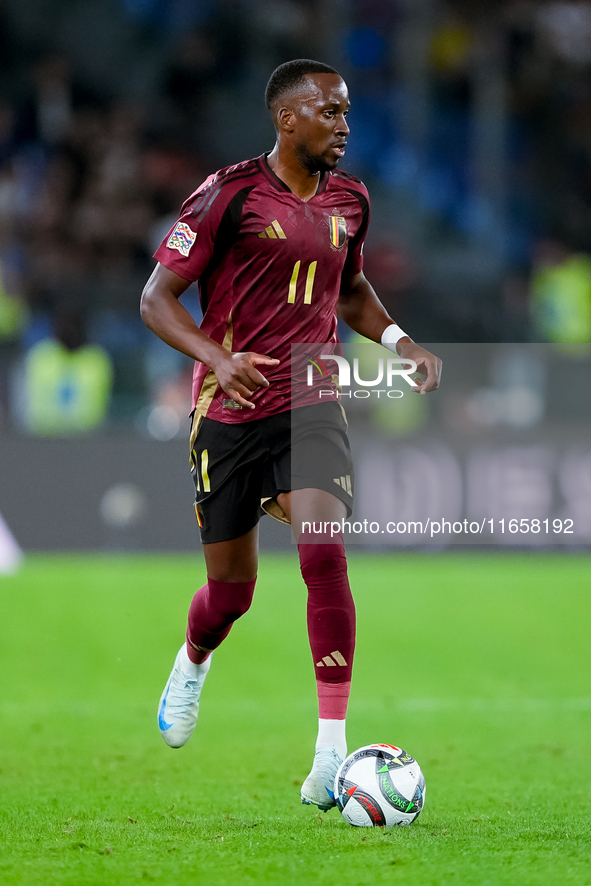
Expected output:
(380, 786)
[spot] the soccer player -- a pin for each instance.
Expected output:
(276, 245)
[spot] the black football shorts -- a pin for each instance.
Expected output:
(240, 469)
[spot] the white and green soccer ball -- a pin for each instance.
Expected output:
(379, 785)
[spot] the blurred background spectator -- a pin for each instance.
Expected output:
(561, 293)
(471, 125)
(64, 384)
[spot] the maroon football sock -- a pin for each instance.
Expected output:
(331, 622)
(213, 611)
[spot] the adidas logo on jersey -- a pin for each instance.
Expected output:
(332, 660)
(274, 232)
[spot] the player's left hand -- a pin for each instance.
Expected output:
(427, 364)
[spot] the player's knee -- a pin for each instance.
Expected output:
(322, 560)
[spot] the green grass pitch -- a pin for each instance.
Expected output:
(479, 665)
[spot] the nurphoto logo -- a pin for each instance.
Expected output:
(394, 369)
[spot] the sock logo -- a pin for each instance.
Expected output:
(332, 660)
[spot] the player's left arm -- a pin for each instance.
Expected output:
(362, 310)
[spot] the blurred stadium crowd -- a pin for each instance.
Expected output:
(471, 125)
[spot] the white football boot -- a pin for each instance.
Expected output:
(179, 703)
(318, 788)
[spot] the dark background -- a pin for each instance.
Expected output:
(471, 126)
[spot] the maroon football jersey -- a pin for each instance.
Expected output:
(269, 267)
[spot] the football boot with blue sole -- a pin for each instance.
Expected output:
(318, 788)
(179, 703)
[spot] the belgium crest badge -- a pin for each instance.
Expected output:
(338, 231)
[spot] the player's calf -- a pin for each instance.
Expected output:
(213, 611)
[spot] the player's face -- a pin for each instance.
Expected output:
(320, 126)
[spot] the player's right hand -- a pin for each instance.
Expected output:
(238, 376)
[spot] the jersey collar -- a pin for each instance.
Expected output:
(281, 186)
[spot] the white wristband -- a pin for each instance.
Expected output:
(391, 336)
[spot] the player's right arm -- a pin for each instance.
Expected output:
(162, 312)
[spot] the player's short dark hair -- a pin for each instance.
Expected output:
(290, 74)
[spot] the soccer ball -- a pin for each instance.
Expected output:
(379, 785)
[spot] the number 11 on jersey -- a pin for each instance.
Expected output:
(309, 283)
